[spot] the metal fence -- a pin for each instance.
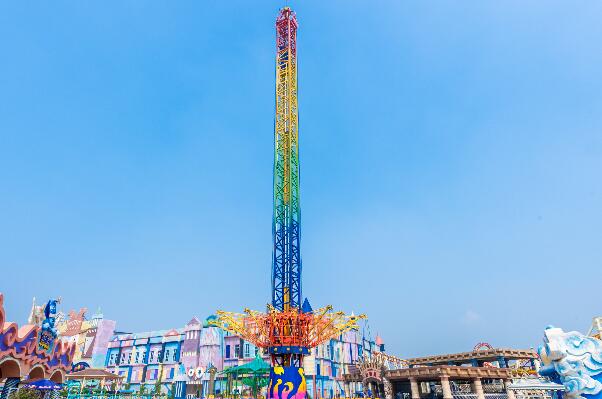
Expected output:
(457, 395)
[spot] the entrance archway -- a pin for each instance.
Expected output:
(374, 385)
(57, 376)
(9, 368)
(37, 372)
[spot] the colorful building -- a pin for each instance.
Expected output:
(90, 337)
(31, 352)
(202, 352)
(146, 358)
(329, 362)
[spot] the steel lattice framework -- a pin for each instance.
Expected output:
(289, 328)
(286, 262)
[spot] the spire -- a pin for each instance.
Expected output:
(32, 313)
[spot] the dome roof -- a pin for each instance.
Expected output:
(171, 333)
(208, 320)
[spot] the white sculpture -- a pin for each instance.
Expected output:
(575, 360)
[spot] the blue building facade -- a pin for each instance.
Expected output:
(146, 358)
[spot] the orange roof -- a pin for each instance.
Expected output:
(93, 374)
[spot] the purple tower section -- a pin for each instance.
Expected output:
(211, 348)
(104, 332)
(190, 345)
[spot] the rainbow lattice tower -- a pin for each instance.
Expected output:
(289, 328)
(286, 262)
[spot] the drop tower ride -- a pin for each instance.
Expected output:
(289, 328)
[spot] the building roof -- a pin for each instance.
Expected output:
(596, 329)
(171, 333)
(146, 334)
(93, 374)
(535, 383)
(436, 372)
(484, 355)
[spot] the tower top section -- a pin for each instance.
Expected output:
(286, 31)
(286, 224)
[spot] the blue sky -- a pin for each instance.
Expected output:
(451, 162)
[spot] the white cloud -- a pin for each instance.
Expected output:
(471, 317)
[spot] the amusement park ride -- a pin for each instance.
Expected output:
(289, 328)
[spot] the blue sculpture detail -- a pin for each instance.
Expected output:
(574, 360)
(48, 332)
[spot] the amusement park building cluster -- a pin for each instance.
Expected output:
(351, 365)
(202, 349)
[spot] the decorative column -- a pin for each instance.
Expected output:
(388, 388)
(509, 392)
(364, 388)
(447, 394)
(347, 389)
(179, 387)
(477, 388)
(212, 372)
(10, 385)
(414, 388)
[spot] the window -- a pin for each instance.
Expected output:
(130, 358)
(247, 350)
(166, 359)
(175, 355)
(122, 358)
(152, 356)
(236, 350)
(227, 351)
(256, 351)
(318, 369)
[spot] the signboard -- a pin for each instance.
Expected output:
(47, 335)
(46, 341)
(195, 373)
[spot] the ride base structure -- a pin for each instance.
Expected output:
(289, 328)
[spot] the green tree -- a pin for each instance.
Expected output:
(255, 382)
(157, 390)
(25, 393)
